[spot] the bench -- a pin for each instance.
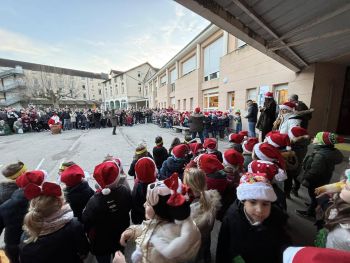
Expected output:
(184, 130)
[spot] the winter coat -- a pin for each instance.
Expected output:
(289, 121)
(301, 106)
(236, 146)
(139, 193)
(339, 238)
(131, 171)
(252, 114)
(299, 146)
(6, 190)
(263, 243)
(113, 119)
(170, 166)
(105, 218)
(319, 165)
(217, 153)
(207, 123)
(196, 122)
(160, 154)
(77, 197)
(247, 160)
(65, 245)
(267, 117)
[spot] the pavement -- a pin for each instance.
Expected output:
(88, 148)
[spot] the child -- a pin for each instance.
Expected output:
(211, 146)
(12, 213)
(176, 141)
(247, 147)
(236, 142)
(233, 162)
(238, 120)
(175, 163)
(11, 172)
(159, 239)
(204, 207)
(253, 229)
(77, 191)
(141, 151)
(146, 173)
(196, 149)
(106, 214)
(319, 166)
(52, 234)
(160, 154)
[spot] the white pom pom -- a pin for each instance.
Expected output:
(288, 148)
(281, 175)
(106, 191)
(136, 256)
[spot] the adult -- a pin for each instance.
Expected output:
(267, 116)
(288, 117)
(196, 122)
(252, 117)
(113, 119)
(301, 106)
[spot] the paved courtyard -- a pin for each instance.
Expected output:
(88, 148)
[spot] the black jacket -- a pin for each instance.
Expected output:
(6, 190)
(196, 122)
(78, 196)
(139, 193)
(65, 245)
(105, 218)
(131, 171)
(263, 243)
(252, 112)
(170, 166)
(160, 154)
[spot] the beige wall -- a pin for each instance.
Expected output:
(187, 88)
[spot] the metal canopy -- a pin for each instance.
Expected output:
(295, 33)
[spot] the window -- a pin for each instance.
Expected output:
(251, 94)
(100, 92)
(281, 93)
(240, 43)
(212, 55)
(84, 87)
(84, 95)
(191, 104)
(178, 104)
(211, 101)
(163, 80)
(172, 102)
(138, 74)
(261, 97)
(184, 104)
(173, 76)
(189, 65)
(231, 100)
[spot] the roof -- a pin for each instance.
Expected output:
(295, 33)
(122, 72)
(115, 72)
(51, 69)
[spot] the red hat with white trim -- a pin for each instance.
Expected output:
(314, 255)
(72, 175)
(296, 132)
(270, 169)
(269, 94)
(197, 110)
(236, 138)
(267, 152)
(278, 140)
(248, 145)
(233, 157)
(146, 170)
(106, 175)
(195, 147)
(244, 133)
(287, 106)
(210, 143)
(209, 163)
(180, 151)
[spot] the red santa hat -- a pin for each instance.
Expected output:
(278, 140)
(210, 143)
(195, 147)
(180, 151)
(269, 94)
(244, 133)
(296, 132)
(314, 255)
(267, 152)
(270, 169)
(146, 170)
(255, 186)
(249, 144)
(236, 138)
(197, 110)
(287, 106)
(72, 175)
(106, 175)
(209, 163)
(36, 177)
(232, 157)
(206, 113)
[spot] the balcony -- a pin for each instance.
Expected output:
(17, 84)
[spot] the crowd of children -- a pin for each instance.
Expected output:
(176, 198)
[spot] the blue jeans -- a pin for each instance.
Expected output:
(200, 135)
(238, 127)
(251, 129)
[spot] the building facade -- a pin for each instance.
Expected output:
(124, 90)
(23, 83)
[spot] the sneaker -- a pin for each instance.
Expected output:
(305, 213)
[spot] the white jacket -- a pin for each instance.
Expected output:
(288, 123)
(339, 238)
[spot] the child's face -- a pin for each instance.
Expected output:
(149, 212)
(257, 210)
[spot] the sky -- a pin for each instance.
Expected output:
(95, 35)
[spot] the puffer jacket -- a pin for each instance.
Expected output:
(6, 190)
(172, 165)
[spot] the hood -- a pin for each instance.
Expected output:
(333, 155)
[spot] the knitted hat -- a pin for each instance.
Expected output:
(314, 255)
(296, 132)
(287, 106)
(270, 169)
(209, 163)
(146, 170)
(13, 170)
(328, 138)
(72, 175)
(278, 140)
(236, 138)
(249, 144)
(32, 177)
(268, 94)
(195, 147)
(210, 143)
(267, 152)
(197, 110)
(232, 157)
(244, 133)
(180, 151)
(255, 186)
(106, 174)
(140, 149)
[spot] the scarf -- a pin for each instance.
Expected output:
(57, 221)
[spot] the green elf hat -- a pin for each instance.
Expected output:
(328, 138)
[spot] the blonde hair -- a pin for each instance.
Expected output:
(40, 208)
(195, 179)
